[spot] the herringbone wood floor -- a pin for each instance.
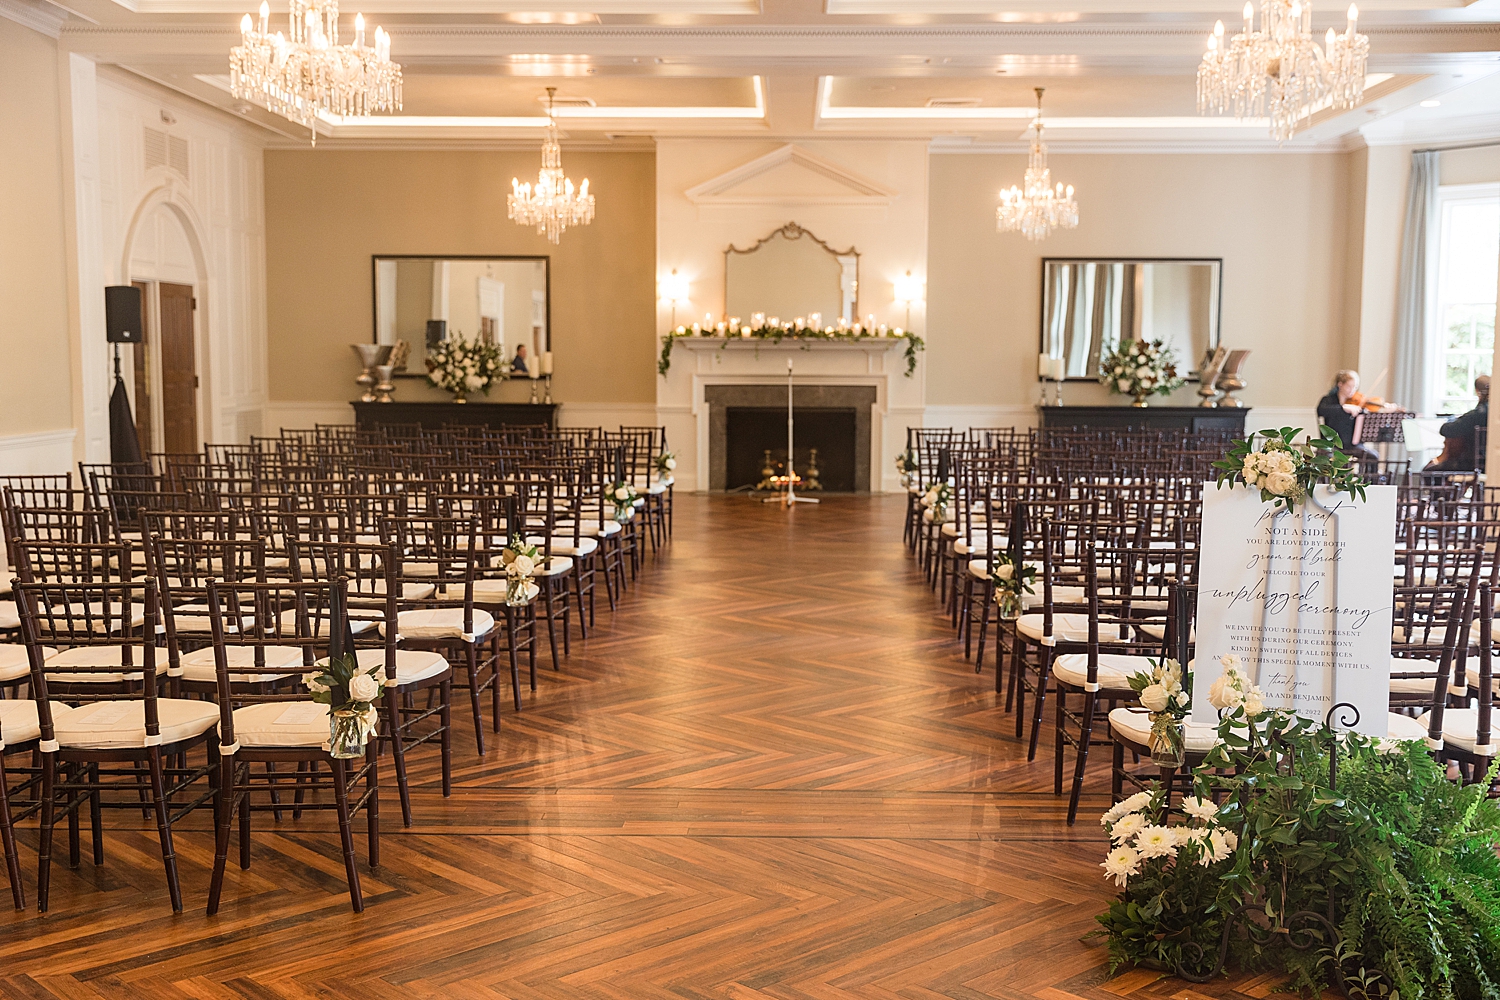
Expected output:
(769, 775)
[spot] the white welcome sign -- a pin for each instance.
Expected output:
(1302, 597)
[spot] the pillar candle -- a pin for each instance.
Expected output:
(546, 362)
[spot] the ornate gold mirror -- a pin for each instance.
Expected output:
(791, 273)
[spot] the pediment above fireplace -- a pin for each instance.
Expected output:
(790, 176)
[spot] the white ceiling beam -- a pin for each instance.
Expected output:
(1001, 8)
(648, 7)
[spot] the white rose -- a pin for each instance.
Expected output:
(1181, 698)
(313, 684)
(670, 463)
(1280, 483)
(1254, 703)
(524, 566)
(1155, 698)
(473, 382)
(1124, 385)
(1218, 694)
(363, 687)
(622, 494)
(1005, 571)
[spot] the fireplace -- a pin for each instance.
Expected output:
(746, 421)
(756, 434)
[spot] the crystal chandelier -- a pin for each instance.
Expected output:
(1279, 72)
(1039, 208)
(552, 205)
(310, 73)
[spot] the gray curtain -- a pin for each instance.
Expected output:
(1409, 386)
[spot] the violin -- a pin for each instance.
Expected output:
(1370, 404)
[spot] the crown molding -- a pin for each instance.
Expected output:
(1465, 128)
(38, 15)
(958, 146)
(646, 7)
(718, 190)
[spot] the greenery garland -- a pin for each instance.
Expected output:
(789, 331)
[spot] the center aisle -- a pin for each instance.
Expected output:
(769, 774)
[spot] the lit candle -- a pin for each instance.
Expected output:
(1329, 41)
(1249, 17)
(245, 25)
(1353, 19)
(265, 16)
(359, 29)
(546, 362)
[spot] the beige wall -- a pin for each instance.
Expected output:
(1279, 222)
(328, 211)
(33, 270)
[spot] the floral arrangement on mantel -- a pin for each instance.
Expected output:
(1285, 471)
(463, 366)
(775, 330)
(1326, 857)
(1141, 368)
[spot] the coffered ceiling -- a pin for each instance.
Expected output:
(1118, 73)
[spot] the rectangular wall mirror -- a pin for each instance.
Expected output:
(1089, 305)
(422, 300)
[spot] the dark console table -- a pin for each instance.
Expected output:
(435, 416)
(1192, 418)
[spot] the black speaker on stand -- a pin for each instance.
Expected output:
(122, 323)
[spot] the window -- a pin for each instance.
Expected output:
(1468, 263)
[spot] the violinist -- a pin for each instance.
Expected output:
(1458, 448)
(1338, 409)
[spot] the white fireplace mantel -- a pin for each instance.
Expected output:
(698, 362)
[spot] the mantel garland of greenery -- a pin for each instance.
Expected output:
(790, 331)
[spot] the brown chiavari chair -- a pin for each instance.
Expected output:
(122, 738)
(1464, 733)
(285, 727)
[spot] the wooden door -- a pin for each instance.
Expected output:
(179, 369)
(143, 375)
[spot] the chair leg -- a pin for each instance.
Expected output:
(346, 834)
(473, 662)
(1061, 711)
(223, 816)
(44, 848)
(551, 623)
(1043, 677)
(1081, 759)
(445, 717)
(513, 638)
(7, 835)
(164, 827)
(372, 803)
(398, 753)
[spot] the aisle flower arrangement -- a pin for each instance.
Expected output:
(520, 558)
(1141, 368)
(463, 366)
(907, 468)
(1011, 582)
(936, 499)
(1166, 691)
(1285, 471)
(666, 466)
(623, 495)
(350, 692)
(1329, 858)
(776, 330)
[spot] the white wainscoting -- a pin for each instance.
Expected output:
(46, 453)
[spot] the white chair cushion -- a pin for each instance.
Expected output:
(1158, 630)
(564, 546)
(195, 618)
(556, 566)
(108, 725)
(282, 724)
(19, 722)
(599, 529)
(977, 545)
(412, 665)
(14, 663)
(657, 489)
(1403, 728)
(10, 617)
(98, 656)
(1066, 627)
(1413, 685)
(493, 591)
(198, 666)
(410, 590)
(96, 610)
(1472, 672)
(443, 623)
(1114, 669)
(1461, 728)
(357, 625)
(1134, 725)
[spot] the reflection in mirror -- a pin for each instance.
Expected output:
(1089, 306)
(791, 273)
(421, 300)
